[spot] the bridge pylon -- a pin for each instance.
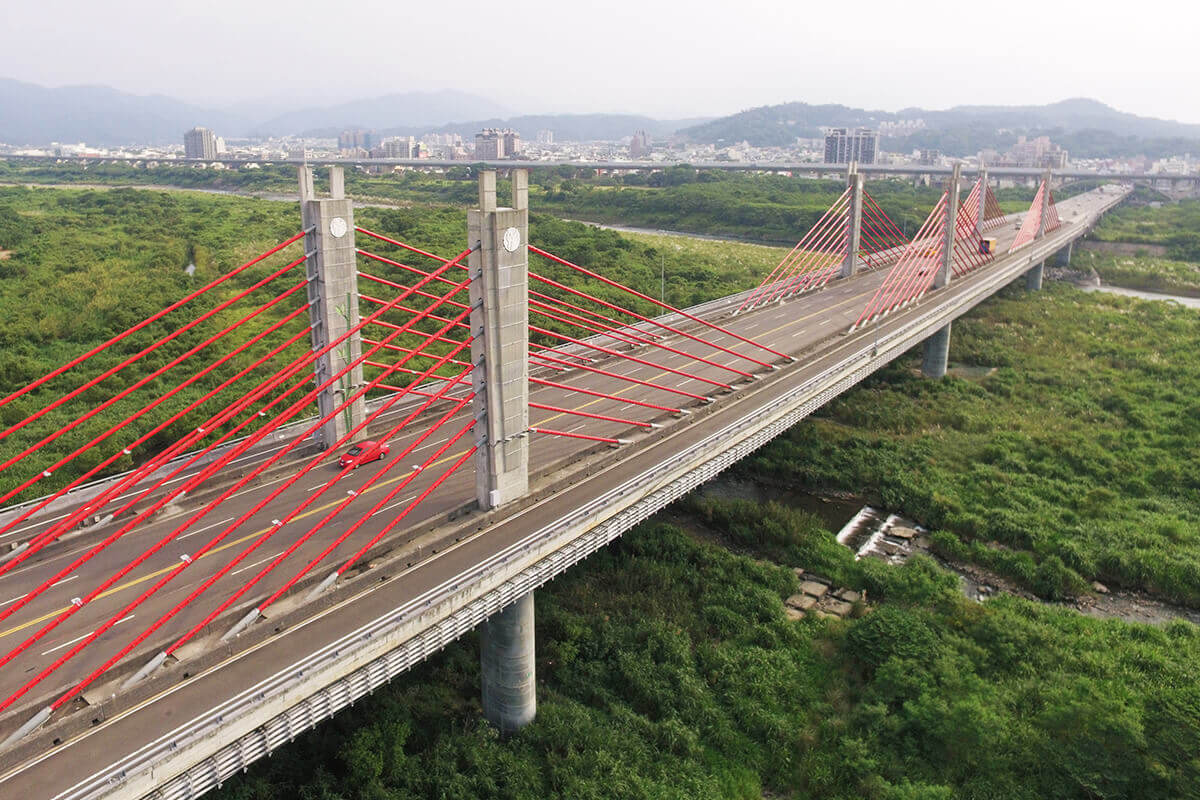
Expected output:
(332, 274)
(949, 229)
(982, 199)
(499, 269)
(1044, 219)
(854, 213)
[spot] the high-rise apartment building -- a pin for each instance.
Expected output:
(843, 146)
(494, 143)
(489, 145)
(1037, 152)
(512, 143)
(358, 139)
(399, 147)
(639, 145)
(200, 143)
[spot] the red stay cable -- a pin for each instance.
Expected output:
(144, 351)
(258, 435)
(102, 500)
(152, 318)
(162, 542)
(48, 471)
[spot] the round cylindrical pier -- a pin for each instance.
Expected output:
(506, 646)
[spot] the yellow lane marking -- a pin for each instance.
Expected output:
(218, 549)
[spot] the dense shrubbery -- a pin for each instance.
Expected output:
(1175, 225)
(667, 669)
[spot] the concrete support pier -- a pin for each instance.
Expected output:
(507, 659)
(1033, 278)
(500, 349)
(937, 353)
(1063, 257)
(332, 274)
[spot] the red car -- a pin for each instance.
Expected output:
(363, 453)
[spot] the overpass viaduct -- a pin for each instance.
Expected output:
(731, 374)
(820, 170)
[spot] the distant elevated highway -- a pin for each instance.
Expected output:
(793, 167)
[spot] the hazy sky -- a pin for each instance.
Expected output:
(666, 59)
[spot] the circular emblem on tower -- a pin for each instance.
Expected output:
(338, 227)
(512, 239)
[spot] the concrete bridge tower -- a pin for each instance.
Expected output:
(853, 220)
(500, 350)
(499, 269)
(332, 274)
(937, 346)
(1033, 278)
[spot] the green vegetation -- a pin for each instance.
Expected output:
(667, 669)
(770, 208)
(1160, 244)
(83, 266)
(1076, 460)
(1175, 226)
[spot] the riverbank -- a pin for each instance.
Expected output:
(1189, 302)
(868, 532)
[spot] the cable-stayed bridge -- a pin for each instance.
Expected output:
(241, 581)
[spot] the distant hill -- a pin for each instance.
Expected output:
(966, 127)
(403, 110)
(777, 126)
(566, 127)
(36, 115)
(31, 114)
(1070, 116)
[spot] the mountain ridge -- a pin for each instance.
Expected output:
(37, 115)
(782, 123)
